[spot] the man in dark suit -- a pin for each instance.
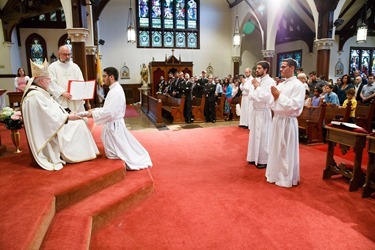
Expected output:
(209, 90)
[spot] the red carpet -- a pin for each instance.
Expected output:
(131, 111)
(208, 197)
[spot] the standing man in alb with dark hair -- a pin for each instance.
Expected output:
(288, 99)
(261, 116)
(118, 142)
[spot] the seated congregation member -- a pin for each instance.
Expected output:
(350, 97)
(331, 97)
(261, 125)
(283, 167)
(118, 142)
(54, 136)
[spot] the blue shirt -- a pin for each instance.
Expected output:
(332, 98)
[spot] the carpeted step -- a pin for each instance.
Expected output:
(72, 226)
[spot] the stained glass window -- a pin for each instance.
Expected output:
(156, 39)
(171, 23)
(144, 39)
(297, 55)
(36, 52)
(180, 40)
(36, 49)
(192, 40)
(156, 14)
(362, 59)
(168, 39)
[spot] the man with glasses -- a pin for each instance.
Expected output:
(288, 100)
(54, 136)
(61, 72)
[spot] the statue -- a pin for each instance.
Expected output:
(144, 75)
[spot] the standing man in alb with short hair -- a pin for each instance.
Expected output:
(261, 125)
(288, 99)
(61, 72)
(246, 105)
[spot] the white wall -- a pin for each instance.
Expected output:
(215, 41)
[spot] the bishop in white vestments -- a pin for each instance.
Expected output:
(118, 142)
(261, 125)
(60, 73)
(54, 136)
(283, 160)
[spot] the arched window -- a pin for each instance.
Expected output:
(168, 24)
(36, 49)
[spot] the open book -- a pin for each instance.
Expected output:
(81, 90)
(347, 124)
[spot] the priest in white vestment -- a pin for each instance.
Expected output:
(261, 125)
(54, 136)
(60, 73)
(246, 104)
(283, 166)
(118, 142)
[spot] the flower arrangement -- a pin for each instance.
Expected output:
(11, 118)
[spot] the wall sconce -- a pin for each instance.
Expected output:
(236, 36)
(131, 28)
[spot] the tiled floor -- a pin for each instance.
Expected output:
(144, 124)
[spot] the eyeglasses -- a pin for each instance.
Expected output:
(65, 54)
(283, 67)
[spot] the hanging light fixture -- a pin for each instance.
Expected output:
(131, 28)
(362, 28)
(237, 36)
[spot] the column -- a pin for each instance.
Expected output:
(236, 65)
(323, 56)
(78, 37)
(91, 71)
(268, 56)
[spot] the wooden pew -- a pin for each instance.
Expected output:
(364, 115)
(174, 107)
(152, 107)
(310, 123)
(219, 108)
(369, 186)
(335, 113)
(197, 108)
(15, 99)
(235, 101)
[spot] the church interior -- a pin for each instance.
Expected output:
(201, 191)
